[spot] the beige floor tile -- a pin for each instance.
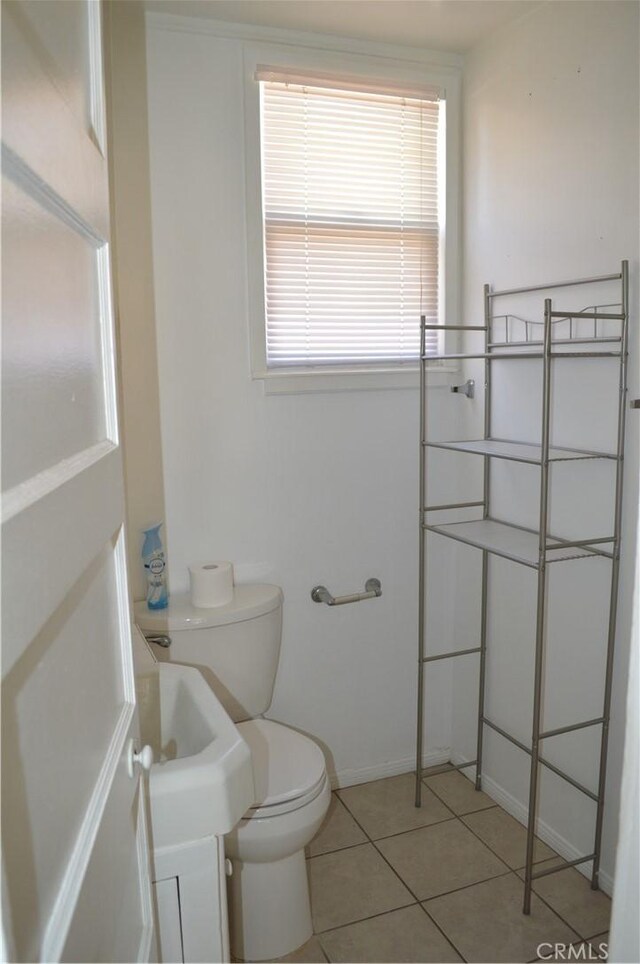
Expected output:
(486, 923)
(569, 893)
(339, 830)
(309, 953)
(441, 858)
(458, 792)
(505, 836)
(385, 807)
(402, 935)
(349, 885)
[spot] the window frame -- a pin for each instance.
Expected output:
(392, 375)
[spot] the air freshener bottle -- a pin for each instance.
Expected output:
(155, 568)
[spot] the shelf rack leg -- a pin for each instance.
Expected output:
(615, 569)
(482, 674)
(422, 569)
(485, 554)
(541, 606)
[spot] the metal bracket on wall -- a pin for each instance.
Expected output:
(468, 389)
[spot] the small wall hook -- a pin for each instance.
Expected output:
(468, 389)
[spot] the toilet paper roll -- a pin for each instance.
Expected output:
(211, 584)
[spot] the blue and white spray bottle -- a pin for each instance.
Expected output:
(155, 566)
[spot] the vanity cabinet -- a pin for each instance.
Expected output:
(190, 893)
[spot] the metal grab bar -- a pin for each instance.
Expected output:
(321, 594)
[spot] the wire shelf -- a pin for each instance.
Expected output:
(513, 542)
(517, 451)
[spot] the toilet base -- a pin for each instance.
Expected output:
(270, 913)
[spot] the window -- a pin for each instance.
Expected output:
(352, 221)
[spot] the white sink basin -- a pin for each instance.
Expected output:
(202, 781)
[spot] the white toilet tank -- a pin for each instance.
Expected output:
(236, 647)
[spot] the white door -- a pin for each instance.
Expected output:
(75, 867)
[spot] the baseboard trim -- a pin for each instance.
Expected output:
(518, 810)
(391, 768)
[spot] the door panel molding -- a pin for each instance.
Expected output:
(25, 495)
(107, 331)
(65, 904)
(147, 938)
(65, 517)
(40, 127)
(96, 71)
(18, 171)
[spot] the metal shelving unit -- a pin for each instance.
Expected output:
(509, 338)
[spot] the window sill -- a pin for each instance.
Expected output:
(301, 381)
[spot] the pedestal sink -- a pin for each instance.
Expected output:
(199, 788)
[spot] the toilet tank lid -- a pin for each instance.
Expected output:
(249, 601)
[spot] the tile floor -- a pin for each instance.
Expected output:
(390, 882)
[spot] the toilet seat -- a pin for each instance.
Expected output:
(289, 769)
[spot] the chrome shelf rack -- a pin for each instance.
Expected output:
(511, 338)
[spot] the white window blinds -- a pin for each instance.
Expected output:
(351, 227)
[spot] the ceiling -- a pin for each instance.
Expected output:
(452, 25)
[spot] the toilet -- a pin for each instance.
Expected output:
(236, 647)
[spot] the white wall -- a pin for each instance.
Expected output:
(551, 192)
(625, 930)
(133, 274)
(295, 489)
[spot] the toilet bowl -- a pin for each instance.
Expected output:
(236, 647)
(267, 846)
